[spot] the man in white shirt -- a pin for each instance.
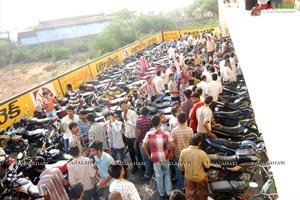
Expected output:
(66, 120)
(203, 86)
(130, 117)
(159, 85)
(165, 76)
(173, 88)
(121, 185)
(171, 52)
(214, 88)
(211, 46)
(230, 72)
(81, 169)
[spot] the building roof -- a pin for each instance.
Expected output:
(85, 19)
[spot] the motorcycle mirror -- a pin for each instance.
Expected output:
(253, 185)
(20, 156)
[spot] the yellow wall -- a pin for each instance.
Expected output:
(75, 78)
(171, 35)
(14, 108)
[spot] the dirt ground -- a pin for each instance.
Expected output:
(18, 78)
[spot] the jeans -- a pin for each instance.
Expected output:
(132, 152)
(118, 154)
(179, 176)
(148, 163)
(52, 113)
(204, 145)
(161, 95)
(162, 178)
(103, 192)
(90, 194)
(66, 145)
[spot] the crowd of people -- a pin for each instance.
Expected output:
(176, 151)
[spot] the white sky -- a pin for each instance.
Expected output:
(19, 14)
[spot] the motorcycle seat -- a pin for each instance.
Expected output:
(166, 111)
(236, 130)
(226, 114)
(86, 94)
(114, 88)
(220, 187)
(162, 105)
(39, 121)
(116, 101)
(122, 83)
(227, 143)
(226, 187)
(33, 191)
(152, 109)
(165, 99)
(239, 186)
(121, 95)
(223, 159)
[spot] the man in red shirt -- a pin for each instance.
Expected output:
(48, 104)
(197, 104)
(160, 156)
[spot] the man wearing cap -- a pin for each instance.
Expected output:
(48, 104)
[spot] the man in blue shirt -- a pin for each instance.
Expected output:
(103, 161)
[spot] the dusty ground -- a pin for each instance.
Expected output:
(18, 78)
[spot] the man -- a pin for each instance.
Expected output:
(197, 58)
(130, 117)
(158, 140)
(181, 136)
(197, 73)
(230, 72)
(48, 104)
(84, 127)
(203, 86)
(192, 162)
(74, 138)
(115, 196)
(103, 160)
(210, 46)
(173, 122)
(159, 85)
(126, 188)
(197, 104)
(74, 98)
(81, 169)
(173, 88)
(214, 88)
(115, 137)
(52, 182)
(188, 103)
(97, 132)
(165, 76)
(76, 191)
(144, 64)
(148, 90)
(178, 63)
(66, 120)
(143, 125)
(204, 117)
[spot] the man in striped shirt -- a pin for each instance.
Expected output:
(181, 136)
(52, 182)
(143, 125)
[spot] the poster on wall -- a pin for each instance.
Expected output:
(37, 94)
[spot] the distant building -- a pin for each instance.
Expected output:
(62, 29)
